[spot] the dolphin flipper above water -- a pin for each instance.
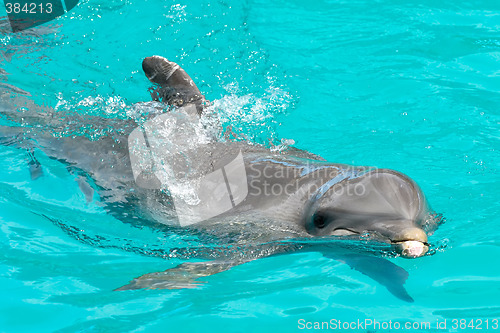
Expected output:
(176, 87)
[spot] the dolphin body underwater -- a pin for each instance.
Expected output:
(264, 202)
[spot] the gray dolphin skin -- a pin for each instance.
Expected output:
(279, 196)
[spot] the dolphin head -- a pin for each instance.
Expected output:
(384, 204)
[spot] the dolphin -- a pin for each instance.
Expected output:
(164, 168)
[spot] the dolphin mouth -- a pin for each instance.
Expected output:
(411, 248)
(407, 247)
(411, 243)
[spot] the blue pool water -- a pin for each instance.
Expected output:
(407, 85)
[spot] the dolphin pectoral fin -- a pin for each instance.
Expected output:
(35, 168)
(381, 270)
(86, 189)
(14, 136)
(84, 183)
(183, 276)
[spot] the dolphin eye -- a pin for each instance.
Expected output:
(319, 220)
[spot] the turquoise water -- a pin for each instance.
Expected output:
(411, 86)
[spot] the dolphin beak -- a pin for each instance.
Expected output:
(411, 243)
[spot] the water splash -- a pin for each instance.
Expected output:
(252, 117)
(107, 106)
